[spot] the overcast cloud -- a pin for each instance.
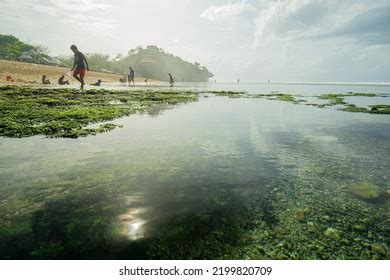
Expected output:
(254, 40)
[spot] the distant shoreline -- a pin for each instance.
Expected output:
(307, 83)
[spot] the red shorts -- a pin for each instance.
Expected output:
(79, 71)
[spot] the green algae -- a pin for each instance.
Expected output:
(365, 190)
(232, 94)
(379, 109)
(280, 97)
(66, 112)
(332, 99)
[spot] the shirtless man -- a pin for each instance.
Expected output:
(80, 64)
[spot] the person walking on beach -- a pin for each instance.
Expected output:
(171, 80)
(131, 76)
(80, 64)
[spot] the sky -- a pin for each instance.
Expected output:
(254, 40)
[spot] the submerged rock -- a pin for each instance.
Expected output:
(300, 215)
(365, 190)
(359, 227)
(332, 233)
(311, 227)
(325, 218)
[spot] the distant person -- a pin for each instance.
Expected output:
(80, 64)
(45, 80)
(123, 79)
(131, 76)
(97, 84)
(238, 81)
(269, 81)
(62, 82)
(8, 78)
(146, 81)
(171, 80)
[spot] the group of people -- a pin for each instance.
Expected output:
(80, 66)
(61, 80)
(130, 78)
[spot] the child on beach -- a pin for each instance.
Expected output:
(61, 81)
(45, 80)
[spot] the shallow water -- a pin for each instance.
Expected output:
(299, 89)
(194, 174)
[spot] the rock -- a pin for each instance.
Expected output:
(332, 233)
(379, 248)
(311, 227)
(365, 190)
(370, 235)
(300, 215)
(359, 227)
(344, 241)
(325, 217)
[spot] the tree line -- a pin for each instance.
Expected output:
(150, 62)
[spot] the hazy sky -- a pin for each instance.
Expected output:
(255, 40)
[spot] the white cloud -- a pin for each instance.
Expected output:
(298, 19)
(81, 5)
(92, 24)
(225, 11)
(78, 13)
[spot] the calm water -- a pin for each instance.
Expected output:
(194, 174)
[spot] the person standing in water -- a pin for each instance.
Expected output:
(131, 76)
(171, 80)
(80, 64)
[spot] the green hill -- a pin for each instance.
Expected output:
(11, 48)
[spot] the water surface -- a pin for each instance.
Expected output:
(218, 178)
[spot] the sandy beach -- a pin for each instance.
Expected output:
(29, 73)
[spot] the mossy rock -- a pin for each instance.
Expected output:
(365, 190)
(333, 233)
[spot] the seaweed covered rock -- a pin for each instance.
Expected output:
(365, 190)
(332, 233)
(379, 248)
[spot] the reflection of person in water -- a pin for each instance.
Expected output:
(80, 64)
(97, 84)
(171, 80)
(61, 81)
(131, 76)
(45, 80)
